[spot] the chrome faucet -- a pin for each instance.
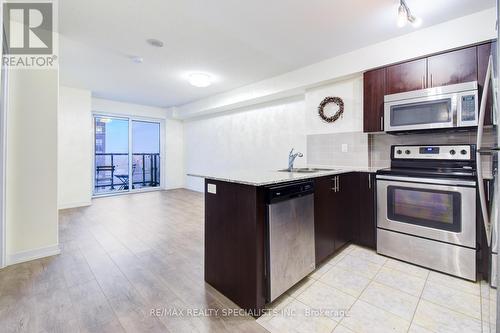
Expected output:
(291, 158)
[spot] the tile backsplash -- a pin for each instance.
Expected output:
(355, 149)
(338, 149)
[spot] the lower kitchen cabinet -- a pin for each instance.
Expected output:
(346, 208)
(365, 226)
(324, 217)
(344, 211)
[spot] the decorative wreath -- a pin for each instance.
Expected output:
(328, 100)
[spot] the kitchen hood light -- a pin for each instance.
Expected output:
(405, 16)
(200, 80)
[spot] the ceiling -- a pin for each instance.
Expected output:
(240, 42)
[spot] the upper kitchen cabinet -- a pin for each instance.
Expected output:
(483, 55)
(406, 76)
(452, 67)
(373, 100)
(458, 66)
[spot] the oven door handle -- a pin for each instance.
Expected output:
(452, 182)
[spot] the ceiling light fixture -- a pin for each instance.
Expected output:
(405, 15)
(200, 80)
(155, 42)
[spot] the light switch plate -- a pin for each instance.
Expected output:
(212, 188)
(344, 147)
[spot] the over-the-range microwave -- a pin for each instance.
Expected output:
(452, 106)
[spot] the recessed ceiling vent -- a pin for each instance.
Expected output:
(155, 42)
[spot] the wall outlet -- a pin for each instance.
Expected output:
(212, 188)
(344, 147)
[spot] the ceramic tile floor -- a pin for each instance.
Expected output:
(360, 291)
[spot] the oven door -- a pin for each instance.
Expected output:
(438, 209)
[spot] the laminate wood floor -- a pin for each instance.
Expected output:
(122, 258)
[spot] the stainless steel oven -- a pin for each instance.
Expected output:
(433, 108)
(439, 209)
(426, 208)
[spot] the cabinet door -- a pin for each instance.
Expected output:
(483, 55)
(407, 76)
(452, 67)
(373, 100)
(323, 221)
(345, 204)
(367, 222)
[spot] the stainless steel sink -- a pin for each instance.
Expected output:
(305, 170)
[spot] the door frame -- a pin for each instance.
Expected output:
(3, 146)
(130, 118)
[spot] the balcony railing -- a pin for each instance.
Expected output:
(112, 171)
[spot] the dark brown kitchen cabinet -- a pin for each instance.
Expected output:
(407, 76)
(332, 213)
(365, 227)
(452, 67)
(483, 55)
(324, 237)
(345, 202)
(373, 100)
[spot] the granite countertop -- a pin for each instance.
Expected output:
(268, 177)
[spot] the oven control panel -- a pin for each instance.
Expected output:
(433, 152)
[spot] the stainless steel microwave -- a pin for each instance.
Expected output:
(451, 106)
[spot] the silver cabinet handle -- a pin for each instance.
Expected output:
(369, 180)
(431, 82)
(381, 123)
(338, 184)
(423, 80)
(487, 190)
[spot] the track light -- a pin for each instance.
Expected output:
(405, 15)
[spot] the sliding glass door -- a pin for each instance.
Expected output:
(126, 154)
(145, 154)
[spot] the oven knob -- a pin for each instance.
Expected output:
(407, 152)
(452, 152)
(399, 152)
(463, 152)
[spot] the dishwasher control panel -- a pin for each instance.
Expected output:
(290, 190)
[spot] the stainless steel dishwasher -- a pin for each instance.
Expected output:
(290, 227)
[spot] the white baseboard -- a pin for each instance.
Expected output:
(29, 255)
(74, 204)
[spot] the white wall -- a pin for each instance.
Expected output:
(75, 148)
(256, 138)
(351, 92)
(31, 170)
(260, 137)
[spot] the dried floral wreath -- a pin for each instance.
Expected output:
(328, 100)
